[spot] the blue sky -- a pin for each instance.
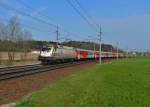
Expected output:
(123, 21)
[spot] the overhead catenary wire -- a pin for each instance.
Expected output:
(25, 25)
(7, 7)
(97, 26)
(86, 13)
(83, 17)
(30, 8)
(41, 14)
(26, 14)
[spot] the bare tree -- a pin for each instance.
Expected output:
(3, 34)
(26, 38)
(2, 31)
(15, 37)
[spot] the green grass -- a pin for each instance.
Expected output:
(123, 83)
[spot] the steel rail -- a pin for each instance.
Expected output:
(15, 73)
(17, 67)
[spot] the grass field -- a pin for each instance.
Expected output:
(123, 83)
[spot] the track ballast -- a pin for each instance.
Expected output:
(20, 71)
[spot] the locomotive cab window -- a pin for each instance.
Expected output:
(46, 49)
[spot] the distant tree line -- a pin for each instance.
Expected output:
(91, 46)
(77, 44)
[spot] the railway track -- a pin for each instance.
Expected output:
(20, 71)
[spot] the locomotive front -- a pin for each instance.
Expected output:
(46, 54)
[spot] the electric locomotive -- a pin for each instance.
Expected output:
(55, 53)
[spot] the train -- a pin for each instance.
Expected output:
(60, 53)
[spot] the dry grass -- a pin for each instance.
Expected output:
(19, 59)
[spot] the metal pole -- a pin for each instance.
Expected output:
(57, 34)
(100, 46)
(100, 58)
(117, 51)
(94, 46)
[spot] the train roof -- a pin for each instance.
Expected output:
(78, 49)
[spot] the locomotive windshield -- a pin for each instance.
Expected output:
(46, 49)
